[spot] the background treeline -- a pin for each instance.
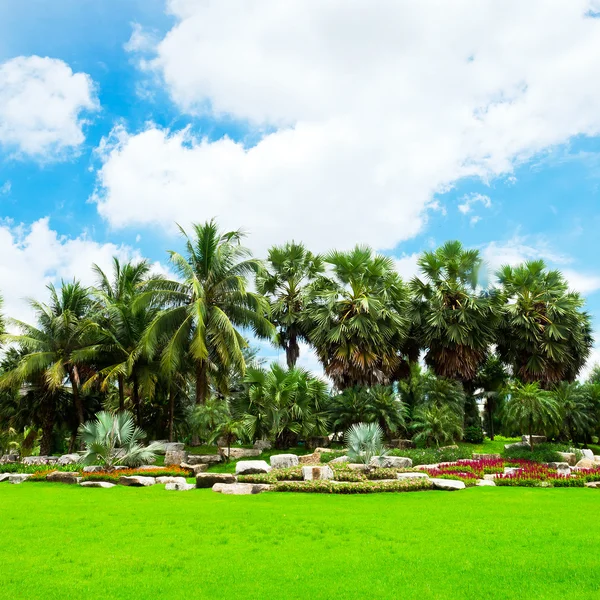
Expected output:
(176, 353)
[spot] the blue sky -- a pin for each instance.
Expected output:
(329, 122)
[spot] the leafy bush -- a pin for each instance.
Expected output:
(428, 456)
(542, 453)
(21, 468)
(328, 456)
(113, 476)
(382, 473)
(290, 474)
(363, 487)
(473, 435)
(350, 475)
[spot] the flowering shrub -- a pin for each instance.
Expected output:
(363, 487)
(289, 474)
(113, 476)
(536, 475)
(382, 473)
(21, 468)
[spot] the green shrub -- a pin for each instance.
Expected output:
(328, 456)
(428, 456)
(364, 487)
(382, 473)
(473, 435)
(290, 474)
(542, 453)
(21, 468)
(350, 475)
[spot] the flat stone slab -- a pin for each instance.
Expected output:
(207, 480)
(485, 483)
(593, 484)
(63, 477)
(164, 480)
(413, 476)
(241, 489)
(317, 473)
(477, 456)
(97, 484)
(394, 462)
(136, 480)
(195, 468)
(204, 459)
(339, 459)
(586, 463)
(179, 486)
(18, 477)
(4, 477)
(449, 485)
(93, 469)
(284, 461)
(239, 452)
(251, 467)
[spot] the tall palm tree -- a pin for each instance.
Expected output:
(53, 347)
(289, 270)
(531, 409)
(544, 334)
(205, 310)
(454, 321)
(126, 310)
(357, 318)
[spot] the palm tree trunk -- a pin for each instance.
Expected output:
(531, 434)
(136, 399)
(201, 381)
(121, 384)
(292, 350)
(74, 381)
(491, 418)
(48, 414)
(171, 411)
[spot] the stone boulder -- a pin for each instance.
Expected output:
(412, 476)
(569, 457)
(403, 444)
(179, 486)
(18, 477)
(489, 476)
(477, 456)
(448, 484)
(485, 483)
(511, 470)
(561, 467)
(516, 445)
(194, 468)
(339, 459)
(317, 473)
(394, 462)
(358, 467)
(587, 453)
(251, 467)
(586, 463)
(204, 459)
(173, 446)
(537, 439)
(241, 489)
(207, 480)
(150, 468)
(136, 481)
(97, 484)
(310, 459)
(163, 480)
(236, 453)
(35, 460)
(4, 477)
(175, 457)
(68, 459)
(9, 459)
(284, 461)
(63, 477)
(93, 469)
(262, 445)
(318, 443)
(593, 484)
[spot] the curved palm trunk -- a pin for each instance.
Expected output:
(171, 411)
(74, 381)
(201, 381)
(135, 396)
(292, 350)
(121, 384)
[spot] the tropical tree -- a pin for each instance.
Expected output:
(282, 404)
(490, 384)
(455, 322)
(440, 391)
(56, 346)
(113, 439)
(357, 318)
(436, 424)
(364, 442)
(205, 310)
(576, 410)
(529, 408)
(544, 334)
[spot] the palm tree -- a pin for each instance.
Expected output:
(531, 409)
(364, 442)
(52, 349)
(436, 424)
(544, 334)
(357, 318)
(491, 380)
(576, 411)
(290, 268)
(125, 313)
(205, 309)
(454, 321)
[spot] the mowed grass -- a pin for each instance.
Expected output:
(60, 541)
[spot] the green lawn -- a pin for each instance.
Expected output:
(61, 541)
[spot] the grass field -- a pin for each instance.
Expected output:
(61, 541)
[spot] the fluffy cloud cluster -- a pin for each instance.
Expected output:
(363, 112)
(41, 106)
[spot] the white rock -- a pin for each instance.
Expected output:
(339, 459)
(136, 480)
(93, 469)
(396, 462)
(284, 461)
(249, 467)
(4, 477)
(317, 473)
(489, 477)
(568, 457)
(587, 453)
(485, 483)
(18, 477)
(413, 476)
(171, 480)
(177, 486)
(69, 459)
(239, 452)
(241, 489)
(448, 484)
(97, 484)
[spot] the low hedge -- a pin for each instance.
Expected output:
(113, 476)
(21, 468)
(364, 487)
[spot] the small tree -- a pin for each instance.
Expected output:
(113, 439)
(437, 424)
(364, 442)
(530, 408)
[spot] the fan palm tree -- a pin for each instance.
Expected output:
(436, 424)
(52, 349)
(455, 322)
(577, 415)
(289, 270)
(531, 409)
(204, 310)
(357, 318)
(364, 442)
(544, 334)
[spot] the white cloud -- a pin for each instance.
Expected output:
(140, 40)
(474, 220)
(407, 266)
(41, 106)
(32, 257)
(363, 118)
(5, 188)
(468, 200)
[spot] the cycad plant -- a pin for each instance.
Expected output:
(113, 439)
(364, 441)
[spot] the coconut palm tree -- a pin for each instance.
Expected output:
(544, 334)
(531, 409)
(204, 311)
(455, 322)
(357, 318)
(52, 348)
(289, 270)
(435, 424)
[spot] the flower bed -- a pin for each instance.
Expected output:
(113, 476)
(362, 487)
